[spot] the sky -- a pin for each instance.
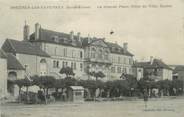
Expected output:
(157, 32)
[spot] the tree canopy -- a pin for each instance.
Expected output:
(97, 75)
(68, 71)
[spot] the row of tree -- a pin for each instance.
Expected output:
(127, 86)
(124, 87)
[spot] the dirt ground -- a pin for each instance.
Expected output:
(155, 108)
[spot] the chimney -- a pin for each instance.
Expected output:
(37, 31)
(72, 35)
(151, 60)
(26, 32)
(89, 39)
(79, 36)
(125, 47)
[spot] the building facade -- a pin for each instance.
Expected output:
(83, 54)
(155, 69)
(45, 52)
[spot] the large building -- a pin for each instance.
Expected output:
(83, 54)
(45, 52)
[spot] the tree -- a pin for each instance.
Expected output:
(91, 85)
(68, 71)
(70, 82)
(164, 85)
(44, 82)
(59, 83)
(97, 75)
(36, 81)
(19, 83)
(27, 83)
(47, 82)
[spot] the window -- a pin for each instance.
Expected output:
(100, 54)
(93, 52)
(55, 51)
(130, 61)
(124, 70)
(65, 52)
(65, 64)
(26, 67)
(118, 59)
(81, 54)
(75, 66)
(43, 67)
(106, 55)
(81, 66)
(113, 69)
(119, 69)
(73, 53)
(130, 70)
(124, 60)
(55, 64)
(72, 65)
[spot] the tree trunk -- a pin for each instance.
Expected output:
(56, 89)
(96, 78)
(19, 90)
(47, 91)
(20, 97)
(27, 94)
(27, 90)
(45, 96)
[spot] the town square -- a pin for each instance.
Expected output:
(160, 107)
(91, 58)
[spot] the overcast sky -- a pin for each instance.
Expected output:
(157, 32)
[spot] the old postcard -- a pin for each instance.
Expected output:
(91, 58)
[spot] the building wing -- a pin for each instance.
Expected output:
(23, 47)
(155, 64)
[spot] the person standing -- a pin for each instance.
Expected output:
(145, 96)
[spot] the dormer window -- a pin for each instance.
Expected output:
(56, 39)
(120, 50)
(116, 49)
(113, 49)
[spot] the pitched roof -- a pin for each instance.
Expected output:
(178, 68)
(160, 63)
(23, 47)
(155, 64)
(117, 49)
(2, 54)
(64, 39)
(142, 64)
(13, 63)
(57, 38)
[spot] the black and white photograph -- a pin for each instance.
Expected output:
(91, 58)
